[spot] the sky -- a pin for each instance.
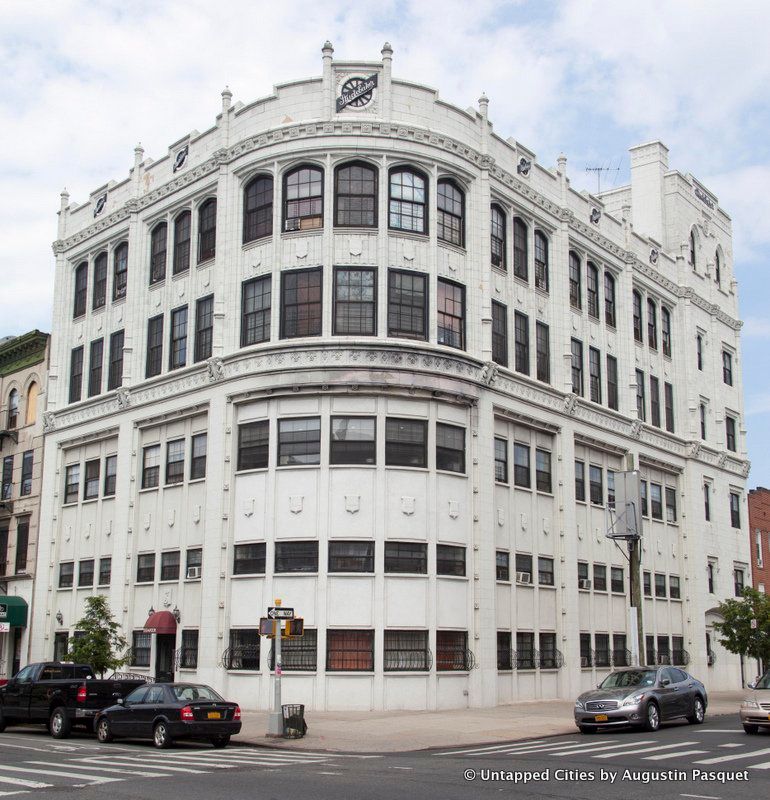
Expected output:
(83, 82)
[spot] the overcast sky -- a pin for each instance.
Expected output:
(85, 81)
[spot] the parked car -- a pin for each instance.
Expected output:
(167, 711)
(642, 697)
(755, 709)
(59, 694)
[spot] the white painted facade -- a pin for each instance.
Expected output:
(384, 377)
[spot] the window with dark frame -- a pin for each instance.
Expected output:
(654, 401)
(22, 546)
(299, 441)
(258, 208)
(543, 470)
(450, 447)
(303, 199)
(154, 363)
(702, 413)
(668, 400)
(249, 559)
(707, 502)
(699, 352)
(735, 510)
(595, 485)
(643, 491)
(193, 563)
(198, 447)
(91, 482)
(296, 556)
(609, 299)
(244, 650)
(174, 461)
(99, 299)
(521, 465)
(520, 249)
(595, 375)
(253, 440)
(301, 304)
(188, 656)
(71, 482)
(665, 330)
(349, 650)
(674, 587)
(600, 578)
(66, 574)
(610, 488)
(406, 651)
(501, 460)
(647, 582)
(612, 382)
(656, 501)
(406, 557)
(27, 465)
(652, 324)
(450, 314)
(407, 305)
(351, 556)
(169, 565)
(115, 371)
(407, 201)
(141, 643)
(727, 368)
(550, 658)
(80, 300)
(353, 440)
(207, 230)
(158, 246)
(498, 237)
(523, 568)
(660, 585)
(298, 654)
(717, 268)
(739, 580)
(580, 481)
(541, 261)
(452, 652)
(584, 582)
(255, 310)
(95, 363)
(355, 301)
(575, 293)
(120, 271)
(204, 328)
(543, 352)
(406, 442)
(602, 649)
(637, 316)
(525, 650)
(545, 573)
(151, 466)
(110, 475)
(592, 290)
(450, 213)
(617, 580)
(730, 438)
(499, 333)
(76, 374)
(521, 342)
(182, 238)
(355, 195)
(450, 560)
(576, 347)
(586, 655)
(641, 404)
(670, 504)
(177, 356)
(502, 565)
(145, 568)
(105, 571)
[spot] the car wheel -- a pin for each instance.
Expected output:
(161, 737)
(2, 721)
(59, 724)
(652, 722)
(751, 729)
(220, 741)
(698, 712)
(587, 729)
(103, 731)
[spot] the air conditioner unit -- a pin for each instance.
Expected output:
(584, 583)
(193, 572)
(523, 577)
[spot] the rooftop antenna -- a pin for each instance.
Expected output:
(598, 171)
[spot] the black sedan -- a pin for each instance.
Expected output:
(167, 711)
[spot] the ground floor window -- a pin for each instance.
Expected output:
(452, 651)
(350, 651)
(406, 650)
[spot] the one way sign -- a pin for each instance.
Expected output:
(279, 612)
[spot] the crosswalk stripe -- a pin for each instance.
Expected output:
(731, 744)
(672, 755)
(589, 749)
(125, 761)
(76, 775)
(481, 750)
(646, 750)
(100, 768)
(21, 782)
(5, 794)
(763, 765)
(734, 757)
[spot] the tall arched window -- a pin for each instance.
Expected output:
(717, 268)
(637, 302)
(652, 324)
(692, 249)
(665, 330)
(541, 261)
(258, 208)
(158, 247)
(30, 414)
(497, 234)
(182, 236)
(100, 281)
(407, 201)
(120, 271)
(355, 195)
(592, 289)
(81, 290)
(609, 299)
(13, 409)
(450, 213)
(520, 249)
(303, 199)
(575, 293)
(207, 230)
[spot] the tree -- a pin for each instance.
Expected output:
(101, 639)
(736, 632)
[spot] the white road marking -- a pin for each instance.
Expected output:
(588, 749)
(732, 744)
(122, 761)
(402, 767)
(100, 768)
(677, 755)
(701, 796)
(5, 794)
(714, 730)
(481, 750)
(763, 765)
(735, 757)
(93, 778)
(21, 782)
(636, 750)
(328, 773)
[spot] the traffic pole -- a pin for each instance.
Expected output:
(275, 720)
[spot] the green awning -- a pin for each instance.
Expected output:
(13, 610)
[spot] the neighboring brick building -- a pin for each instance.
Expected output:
(759, 537)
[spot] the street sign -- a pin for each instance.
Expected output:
(5, 627)
(754, 625)
(279, 612)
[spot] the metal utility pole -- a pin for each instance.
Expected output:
(275, 720)
(598, 171)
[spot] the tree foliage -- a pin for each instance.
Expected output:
(735, 630)
(101, 640)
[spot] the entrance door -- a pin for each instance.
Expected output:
(164, 657)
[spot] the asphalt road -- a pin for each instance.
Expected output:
(716, 760)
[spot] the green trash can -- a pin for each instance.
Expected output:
(294, 725)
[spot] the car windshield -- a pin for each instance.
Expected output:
(137, 695)
(629, 678)
(194, 692)
(764, 681)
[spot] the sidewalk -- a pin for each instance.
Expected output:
(397, 731)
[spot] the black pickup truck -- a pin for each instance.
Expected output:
(59, 695)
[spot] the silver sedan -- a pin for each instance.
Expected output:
(642, 697)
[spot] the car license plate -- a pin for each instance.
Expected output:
(600, 718)
(214, 715)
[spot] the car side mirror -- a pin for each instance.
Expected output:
(664, 682)
(751, 685)
(598, 686)
(120, 701)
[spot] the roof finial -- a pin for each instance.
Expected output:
(138, 154)
(387, 51)
(483, 104)
(65, 198)
(327, 48)
(227, 96)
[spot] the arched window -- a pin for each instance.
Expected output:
(182, 236)
(692, 249)
(100, 281)
(158, 252)
(665, 330)
(407, 201)
(497, 233)
(207, 230)
(120, 271)
(303, 199)
(258, 208)
(638, 336)
(520, 249)
(609, 299)
(541, 261)
(575, 292)
(355, 195)
(31, 410)
(592, 289)
(717, 268)
(81, 290)
(652, 324)
(450, 213)
(13, 409)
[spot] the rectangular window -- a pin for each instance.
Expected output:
(617, 582)
(349, 651)
(154, 363)
(255, 310)
(299, 654)
(110, 475)
(595, 484)
(450, 560)
(296, 556)
(301, 304)
(100, 281)
(504, 651)
(521, 342)
(502, 565)
(610, 488)
(151, 466)
(198, 456)
(194, 563)
(105, 571)
(543, 352)
(178, 344)
(499, 334)
(145, 568)
(355, 301)
(710, 570)
(169, 566)
(175, 461)
(647, 581)
(406, 557)
(602, 649)
(27, 463)
(545, 576)
(668, 399)
(674, 587)
(660, 585)
(586, 656)
(188, 657)
(115, 373)
(549, 657)
(407, 305)
(22, 546)
(521, 470)
(66, 574)
(253, 440)
(543, 470)
(577, 367)
(353, 440)
(86, 572)
(580, 481)
(609, 300)
(727, 368)
(204, 329)
(91, 483)
(451, 314)
(452, 651)
(640, 399)
(592, 291)
(612, 382)
(735, 510)
(76, 374)
(81, 290)
(520, 249)
(595, 375)
(525, 650)
(584, 582)
(730, 433)
(249, 559)
(140, 649)
(96, 358)
(406, 442)
(523, 568)
(299, 441)
(739, 580)
(243, 653)
(72, 483)
(600, 578)
(707, 502)
(345, 556)
(620, 655)
(7, 486)
(643, 492)
(575, 291)
(501, 460)
(702, 411)
(656, 501)
(406, 651)
(450, 447)
(654, 401)
(670, 504)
